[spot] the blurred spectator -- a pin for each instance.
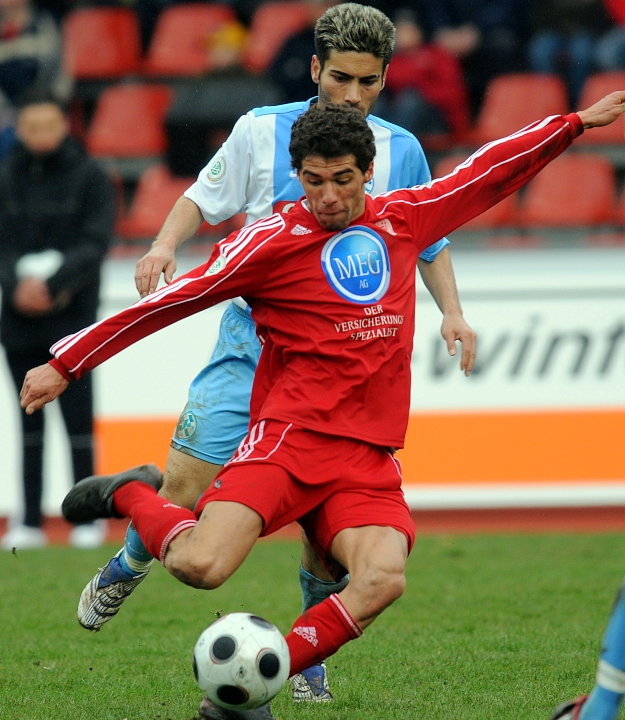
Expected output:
(425, 90)
(290, 69)
(204, 109)
(487, 36)
(57, 210)
(610, 55)
(225, 45)
(564, 38)
(30, 55)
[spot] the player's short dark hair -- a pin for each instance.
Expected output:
(351, 27)
(330, 132)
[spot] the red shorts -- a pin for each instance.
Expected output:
(324, 482)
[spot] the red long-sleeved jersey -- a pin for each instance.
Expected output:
(335, 310)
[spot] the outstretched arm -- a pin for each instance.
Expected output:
(501, 167)
(225, 275)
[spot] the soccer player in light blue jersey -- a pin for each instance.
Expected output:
(251, 173)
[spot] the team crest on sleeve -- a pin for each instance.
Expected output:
(219, 264)
(356, 264)
(217, 169)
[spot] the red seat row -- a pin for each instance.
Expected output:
(103, 43)
(513, 101)
(578, 189)
(154, 196)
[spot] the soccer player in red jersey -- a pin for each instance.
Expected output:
(331, 285)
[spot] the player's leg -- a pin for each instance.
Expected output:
(190, 547)
(210, 427)
(197, 558)
(185, 478)
(317, 583)
(606, 698)
(364, 526)
(316, 580)
(375, 558)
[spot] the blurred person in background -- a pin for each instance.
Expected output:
(425, 91)
(487, 37)
(30, 55)
(610, 55)
(564, 39)
(57, 210)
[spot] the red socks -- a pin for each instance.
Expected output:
(316, 634)
(319, 633)
(157, 520)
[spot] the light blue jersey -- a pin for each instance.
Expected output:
(251, 173)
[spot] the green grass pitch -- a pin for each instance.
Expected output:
(491, 627)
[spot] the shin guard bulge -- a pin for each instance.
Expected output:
(320, 632)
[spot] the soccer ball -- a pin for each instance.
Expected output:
(241, 661)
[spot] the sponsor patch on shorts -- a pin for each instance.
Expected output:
(187, 425)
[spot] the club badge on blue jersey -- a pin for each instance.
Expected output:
(356, 264)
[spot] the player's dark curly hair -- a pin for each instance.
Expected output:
(331, 132)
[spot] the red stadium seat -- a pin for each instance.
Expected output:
(514, 101)
(155, 195)
(101, 43)
(272, 24)
(575, 190)
(180, 45)
(128, 121)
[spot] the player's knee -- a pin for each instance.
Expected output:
(390, 586)
(177, 491)
(381, 587)
(186, 478)
(203, 572)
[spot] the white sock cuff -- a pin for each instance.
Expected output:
(610, 678)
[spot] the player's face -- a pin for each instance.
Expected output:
(41, 127)
(335, 189)
(349, 78)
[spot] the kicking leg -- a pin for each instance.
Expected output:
(184, 480)
(191, 549)
(210, 427)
